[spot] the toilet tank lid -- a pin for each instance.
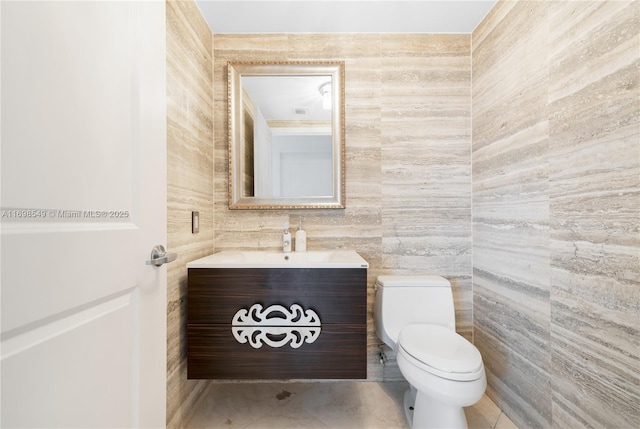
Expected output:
(408, 281)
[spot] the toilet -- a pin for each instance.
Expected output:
(414, 315)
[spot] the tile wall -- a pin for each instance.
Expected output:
(556, 211)
(190, 183)
(408, 172)
(511, 208)
(594, 212)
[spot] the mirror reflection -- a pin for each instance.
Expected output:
(286, 135)
(291, 121)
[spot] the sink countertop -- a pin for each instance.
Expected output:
(272, 259)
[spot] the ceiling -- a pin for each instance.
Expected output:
(288, 97)
(350, 16)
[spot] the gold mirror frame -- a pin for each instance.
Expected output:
(235, 71)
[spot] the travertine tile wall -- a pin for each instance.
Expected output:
(594, 183)
(511, 208)
(408, 172)
(190, 183)
(556, 211)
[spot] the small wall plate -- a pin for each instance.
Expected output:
(195, 222)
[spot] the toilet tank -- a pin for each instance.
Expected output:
(404, 300)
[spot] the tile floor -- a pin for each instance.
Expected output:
(335, 405)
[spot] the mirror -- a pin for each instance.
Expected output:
(286, 135)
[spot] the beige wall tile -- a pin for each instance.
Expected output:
(556, 206)
(594, 172)
(190, 183)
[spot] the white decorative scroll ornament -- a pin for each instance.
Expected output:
(276, 326)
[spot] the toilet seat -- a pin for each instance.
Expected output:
(441, 351)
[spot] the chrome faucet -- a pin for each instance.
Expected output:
(286, 238)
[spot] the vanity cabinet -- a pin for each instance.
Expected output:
(277, 323)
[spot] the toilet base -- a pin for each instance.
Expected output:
(425, 413)
(409, 401)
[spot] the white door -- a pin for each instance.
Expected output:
(83, 155)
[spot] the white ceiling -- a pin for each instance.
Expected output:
(350, 16)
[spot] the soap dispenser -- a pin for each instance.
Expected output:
(301, 239)
(286, 238)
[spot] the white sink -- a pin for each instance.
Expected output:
(260, 259)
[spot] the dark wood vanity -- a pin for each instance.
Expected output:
(337, 296)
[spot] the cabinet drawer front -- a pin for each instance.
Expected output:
(340, 352)
(338, 296)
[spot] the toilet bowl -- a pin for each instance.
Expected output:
(415, 317)
(446, 372)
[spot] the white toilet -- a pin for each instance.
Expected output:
(414, 315)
